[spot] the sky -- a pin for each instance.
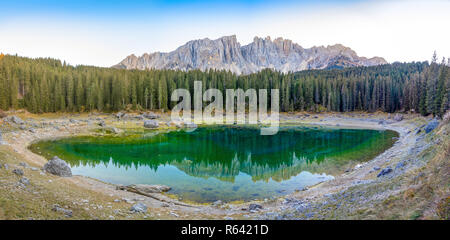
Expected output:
(102, 33)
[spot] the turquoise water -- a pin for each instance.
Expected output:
(225, 163)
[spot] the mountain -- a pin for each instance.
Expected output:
(226, 53)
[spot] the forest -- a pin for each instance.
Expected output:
(49, 85)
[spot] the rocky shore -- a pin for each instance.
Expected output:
(30, 190)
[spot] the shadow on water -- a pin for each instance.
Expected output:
(221, 163)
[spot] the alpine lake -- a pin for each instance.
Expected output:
(227, 163)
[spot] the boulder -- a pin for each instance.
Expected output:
(18, 172)
(431, 125)
(23, 164)
(151, 124)
(119, 115)
(102, 124)
(398, 117)
(384, 171)
(150, 115)
(58, 167)
(66, 212)
(25, 181)
(139, 208)
(16, 120)
(254, 207)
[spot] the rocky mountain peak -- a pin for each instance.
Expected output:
(226, 53)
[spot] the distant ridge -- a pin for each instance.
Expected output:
(226, 53)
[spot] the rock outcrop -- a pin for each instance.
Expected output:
(227, 54)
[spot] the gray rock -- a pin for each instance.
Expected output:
(102, 124)
(398, 117)
(58, 167)
(150, 115)
(66, 212)
(190, 125)
(431, 126)
(176, 124)
(139, 208)
(151, 124)
(119, 115)
(376, 168)
(23, 164)
(18, 172)
(144, 189)
(254, 207)
(226, 53)
(217, 203)
(24, 181)
(384, 171)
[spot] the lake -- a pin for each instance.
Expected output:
(227, 163)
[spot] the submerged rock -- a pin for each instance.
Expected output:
(57, 208)
(254, 207)
(58, 167)
(139, 208)
(431, 126)
(145, 189)
(151, 124)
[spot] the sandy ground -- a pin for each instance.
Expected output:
(164, 207)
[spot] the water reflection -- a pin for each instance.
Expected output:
(226, 154)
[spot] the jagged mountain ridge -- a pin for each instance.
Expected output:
(226, 53)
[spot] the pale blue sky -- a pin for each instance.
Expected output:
(102, 33)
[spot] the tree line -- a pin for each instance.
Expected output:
(49, 85)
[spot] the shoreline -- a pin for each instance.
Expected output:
(169, 208)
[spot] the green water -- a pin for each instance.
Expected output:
(221, 163)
